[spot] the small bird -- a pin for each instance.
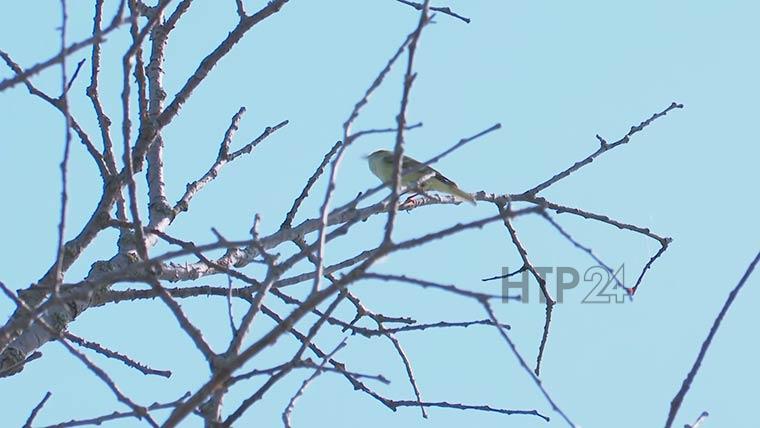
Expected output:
(381, 164)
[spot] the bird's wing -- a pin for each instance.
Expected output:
(412, 164)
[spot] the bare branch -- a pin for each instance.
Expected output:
(46, 309)
(428, 284)
(58, 103)
(675, 404)
(398, 150)
(36, 410)
(291, 404)
(460, 406)
(588, 251)
(308, 364)
(357, 135)
(309, 184)
(221, 375)
(74, 47)
(74, 76)
(104, 121)
(506, 274)
(159, 210)
(664, 241)
(443, 10)
(240, 9)
(306, 343)
(118, 415)
(372, 88)
(221, 160)
(604, 147)
(560, 209)
(550, 302)
(102, 375)
(698, 423)
(523, 364)
(210, 61)
(648, 266)
(66, 150)
(117, 356)
(230, 313)
(182, 7)
(409, 371)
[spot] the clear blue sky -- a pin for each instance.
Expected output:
(554, 74)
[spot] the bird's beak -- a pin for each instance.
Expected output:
(366, 156)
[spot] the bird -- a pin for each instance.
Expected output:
(381, 164)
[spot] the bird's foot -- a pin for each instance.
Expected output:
(409, 203)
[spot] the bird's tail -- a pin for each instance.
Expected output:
(461, 194)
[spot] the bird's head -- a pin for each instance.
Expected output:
(378, 154)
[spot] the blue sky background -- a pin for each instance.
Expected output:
(554, 74)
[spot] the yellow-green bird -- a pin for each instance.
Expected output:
(381, 164)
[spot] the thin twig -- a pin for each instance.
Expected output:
(240, 9)
(117, 415)
(423, 201)
(306, 343)
(356, 135)
(675, 404)
(313, 301)
(443, 10)
(230, 313)
(523, 364)
(331, 182)
(72, 48)
(603, 148)
(550, 302)
(74, 76)
(36, 410)
(307, 364)
(588, 251)
(698, 423)
(398, 149)
(66, 150)
(223, 158)
(291, 404)
(117, 356)
(59, 105)
(429, 284)
(409, 371)
(663, 241)
(460, 406)
(104, 121)
(506, 274)
(139, 411)
(309, 184)
(212, 59)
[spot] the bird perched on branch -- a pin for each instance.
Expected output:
(381, 164)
